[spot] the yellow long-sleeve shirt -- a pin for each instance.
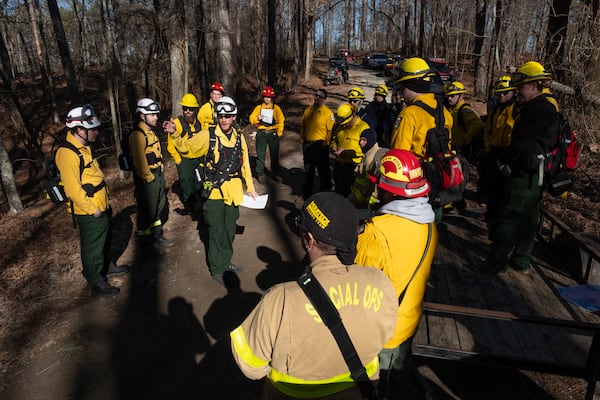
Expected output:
(69, 163)
(395, 246)
(278, 118)
(348, 138)
(207, 116)
(466, 124)
(193, 129)
(231, 191)
(317, 124)
(412, 124)
(146, 152)
(499, 125)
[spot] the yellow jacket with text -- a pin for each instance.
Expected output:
(395, 246)
(145, 152)
(284, 339)
(192, 129)
(278, 118)
(73, 179)
(232, 190)
(412, 124)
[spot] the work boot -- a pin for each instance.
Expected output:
(116, 270)
(103, 288)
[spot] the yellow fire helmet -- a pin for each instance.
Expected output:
(503, 84)
(344, 114)
(356, 93)
(454, 88)
(531, 71)
(413, 68)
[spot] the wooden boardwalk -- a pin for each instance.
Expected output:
(508, 319)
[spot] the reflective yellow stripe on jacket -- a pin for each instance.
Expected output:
(290, 385)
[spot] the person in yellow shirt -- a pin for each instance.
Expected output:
(187, 125)
(496, 137)
(269, 121)
(148, 175)
(207, 115)
(413, 122)
(466, 124)
(400, 241)
(86, 190)
(227, 170)
(315, 134)
(346, 147)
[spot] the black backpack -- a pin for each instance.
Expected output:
(446, 171)
(54, 186)
(564, 156)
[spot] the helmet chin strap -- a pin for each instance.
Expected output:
(87, 135)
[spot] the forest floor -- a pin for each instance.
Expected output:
(165, 335)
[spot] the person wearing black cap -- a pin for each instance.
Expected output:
(285, 339)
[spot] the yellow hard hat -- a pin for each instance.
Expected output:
(413, 68)
(344, 113)
(356, 93)
(503, 84)
(189, 100)
(454, 88)
(531, 71)
(382, 90)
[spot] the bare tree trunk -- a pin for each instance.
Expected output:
(42, 55)
(557, 36)
(8, 181)
(112, 77)
(309, 18)
(224, 58)
(63, 51)
(272, 43)
(178, 50)
(483, 23)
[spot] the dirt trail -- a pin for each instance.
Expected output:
(166, 335)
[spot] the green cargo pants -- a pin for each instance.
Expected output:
(187, 176)
(94, 237)
(151, 200)
(220, 220)
(516, 225)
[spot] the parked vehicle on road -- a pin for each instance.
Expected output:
(377, 60)
(440, 65)
(337, 73)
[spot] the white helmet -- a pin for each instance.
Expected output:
(147, 106)
(82, 116)
(226, 106)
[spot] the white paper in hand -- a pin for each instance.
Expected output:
(267, 115)
(259, 204)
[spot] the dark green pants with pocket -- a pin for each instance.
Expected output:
(94, 237)
(221, 222)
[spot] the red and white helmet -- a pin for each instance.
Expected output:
(84, 116)
(400, 173)
(217, 86)
(268, 91)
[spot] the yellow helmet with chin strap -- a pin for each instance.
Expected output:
(413, 68)
(531, 71)
(503, 84)
(356, 93)
(382, 90)
(455, 87)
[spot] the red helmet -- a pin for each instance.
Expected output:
(400, 173)
(268, 92)
(217, 86)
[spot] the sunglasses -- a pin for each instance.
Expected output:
(502, 94)
(319, 96)
(189, 108)
(225, 116)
